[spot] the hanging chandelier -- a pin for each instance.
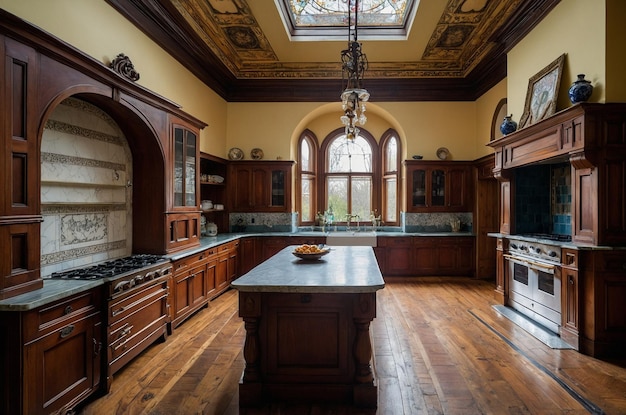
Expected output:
(353, 66)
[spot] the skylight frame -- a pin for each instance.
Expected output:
(337, 30)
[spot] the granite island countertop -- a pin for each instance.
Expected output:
(345, 269)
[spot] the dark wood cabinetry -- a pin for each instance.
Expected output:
(52, 356)
(214, 190)
(249, 255)
(19, 201)
(426, 256)
(434, 186)
(200, 277)
(570, 297)
(592, 139)
(184, 217)
(260, 186)
(486, 218)
(191, 285)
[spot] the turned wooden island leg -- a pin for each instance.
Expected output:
(250, 387)
(365, 392)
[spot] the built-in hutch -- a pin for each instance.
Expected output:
(39, 72)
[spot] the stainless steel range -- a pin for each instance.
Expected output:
(137, 306)
(534, 279)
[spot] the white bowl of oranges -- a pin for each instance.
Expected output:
(310, 252)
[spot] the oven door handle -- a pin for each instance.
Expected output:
(531, 264)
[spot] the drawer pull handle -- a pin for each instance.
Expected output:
(97, 347)
(66, 331)
(68, 310)
(124, 332)
(118, 311)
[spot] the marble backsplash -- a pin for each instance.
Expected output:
(86, 199)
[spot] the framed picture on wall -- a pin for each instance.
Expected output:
(543, 91)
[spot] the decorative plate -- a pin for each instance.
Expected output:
(235, 153)
(311, 257)
(256, 154)
(443, 153)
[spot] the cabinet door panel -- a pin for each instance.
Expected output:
(458, 192)
(426, 260)
(398, 261)
(60, 367)
(211, 269)
(198, 286)
(221, 272)
(260, 188)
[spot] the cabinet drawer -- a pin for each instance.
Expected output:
(228, 246)
(393, 241)
(125, 306)
(138, 324)
(52, 317)
(185, 264)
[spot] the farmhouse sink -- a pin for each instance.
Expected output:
(351, 239)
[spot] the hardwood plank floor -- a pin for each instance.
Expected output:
(439, 346)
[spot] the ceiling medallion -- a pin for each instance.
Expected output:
(353, 66)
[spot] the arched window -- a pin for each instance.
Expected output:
(307, 171)
(351, 177)
(390, 145)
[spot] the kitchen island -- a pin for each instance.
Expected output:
(307, 328)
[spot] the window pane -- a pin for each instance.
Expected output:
(361, 196)
(305, 155)
(391, 155)
(338, 196)
(390, 200)
(349, 156)
(307, 200)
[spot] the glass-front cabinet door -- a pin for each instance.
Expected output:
(185, 148)
(278, 188)
(438, 188)
(419, 188)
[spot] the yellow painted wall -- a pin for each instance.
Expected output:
(101, 32)
(423, 126)
(574, 27)
(486, 106)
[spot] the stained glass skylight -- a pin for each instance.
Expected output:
(324, 17)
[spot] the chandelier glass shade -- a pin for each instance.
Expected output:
(353, 66)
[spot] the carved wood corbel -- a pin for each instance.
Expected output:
(123, 66)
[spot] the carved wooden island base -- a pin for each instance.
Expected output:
(307, 328)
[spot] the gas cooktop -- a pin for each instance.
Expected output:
(548, 236)
(111, 268)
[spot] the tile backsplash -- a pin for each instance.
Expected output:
(543, 198)
(86, 202)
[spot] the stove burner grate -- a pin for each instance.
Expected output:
(110, 268)
(549, 236)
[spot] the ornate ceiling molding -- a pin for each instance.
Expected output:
(226, 48)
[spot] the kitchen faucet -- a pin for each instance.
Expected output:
(349, 218)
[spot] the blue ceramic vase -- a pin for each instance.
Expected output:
(581, 90)
(508, 125)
